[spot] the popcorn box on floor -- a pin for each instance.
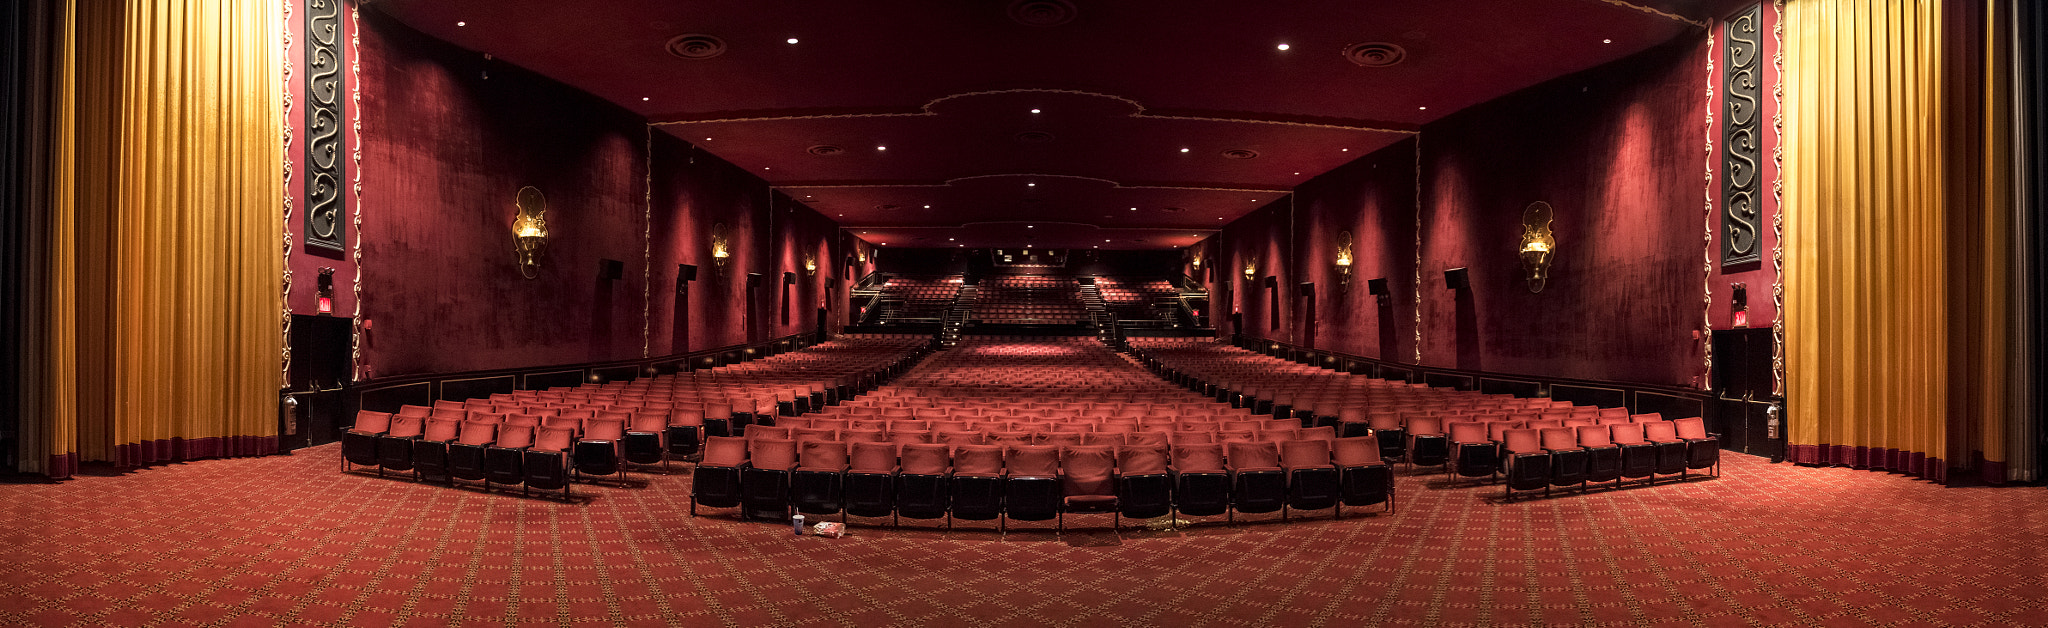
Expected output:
(829, 529)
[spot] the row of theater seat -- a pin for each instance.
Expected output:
(906, 476)
(1553, 444)
(979, 432)
(540, 439)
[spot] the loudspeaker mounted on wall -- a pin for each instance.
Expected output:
(1377, 287)
(1305, 289)
(788, 278)
(1457, 279)
(753, 280)
(1273, 281)
(686, 272)
(609, 269)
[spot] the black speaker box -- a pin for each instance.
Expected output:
(788, 278)
(686, 272)
(1457, 279)
(608, 269)
(753, 279)
(1377, 286)
(1305, 289)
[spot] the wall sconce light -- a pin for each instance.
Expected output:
(721, 247)
(530, 231)
(810, 264)
(1251, 269)
(1538, 244)
(1344, 260)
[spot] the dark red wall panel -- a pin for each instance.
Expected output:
(446, 151)
(1617, 150)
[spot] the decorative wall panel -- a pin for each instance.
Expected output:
(1741, 147)
(325, 170)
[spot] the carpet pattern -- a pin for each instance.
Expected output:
(289, 540)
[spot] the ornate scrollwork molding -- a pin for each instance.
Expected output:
(324, 112)
(1742, 150)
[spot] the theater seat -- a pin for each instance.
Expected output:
(1703, 450)
(870, 480)
(359, 443)
(716, 481)
(1144, 485)
(1528, 463)
(1088, 483)
(1364, 478)
(1312, 479)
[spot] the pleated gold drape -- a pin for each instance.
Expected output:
(1895, 288)
(165, 233)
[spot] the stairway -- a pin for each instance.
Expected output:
(956, 316)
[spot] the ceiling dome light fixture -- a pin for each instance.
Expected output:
(1375, 54)
(1283, 46)
(696, 46)
(792, 40)
(1042, 13)
(1183, 150)
(825, 150)
(1240, 153)
(1034, 110)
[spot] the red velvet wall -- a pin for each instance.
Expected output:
(446, 151)
(1260, 237)
(1617, 150)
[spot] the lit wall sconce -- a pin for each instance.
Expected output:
(721, 247)
(1251, 269)
(1538, 244)
(530, 231)
(1344, 260)
(810, 264)
(325, 291)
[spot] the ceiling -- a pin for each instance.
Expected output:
(1059, 123)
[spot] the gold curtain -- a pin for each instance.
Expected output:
(1895, 276)
(162, 291)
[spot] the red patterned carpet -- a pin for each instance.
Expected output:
(289, 540)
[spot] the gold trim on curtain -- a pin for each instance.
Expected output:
(1895, 275)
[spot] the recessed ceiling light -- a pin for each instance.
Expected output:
(462, 23)
(881, 148)
(1029, 226)
(1606, 41)
(1134, 209)
(1422, 108)
(707, 139)
(1346, 150)
(1183, 150)
(792, 40)
(842, 215)
(643, 99)
(1034, 111)
(766, 168)
(1105, 240)
(951, 239)
(927, 207)
(1297, 173)
(1283, 46)
(1030, 185)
